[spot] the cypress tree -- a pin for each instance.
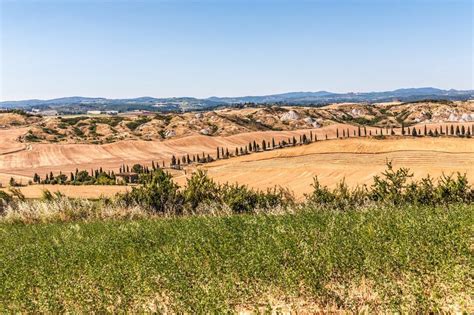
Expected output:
(218, 153)
(358, 131)
(457, 131)
(337, 133)
(273, 143)
(413, 133)
(425, 131)
(365, 132)
(236, 152)
(264, 145)
(463, 130)
(403, 129)
(452, 130)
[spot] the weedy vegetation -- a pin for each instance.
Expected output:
(396, 246)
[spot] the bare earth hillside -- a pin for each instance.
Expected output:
(230, 121)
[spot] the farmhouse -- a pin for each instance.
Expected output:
(126, 177)
(94, 112)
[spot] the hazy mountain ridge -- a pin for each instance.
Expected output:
(78, 103)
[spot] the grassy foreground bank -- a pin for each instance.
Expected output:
(415, 258)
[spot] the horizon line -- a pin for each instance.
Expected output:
(241, 96)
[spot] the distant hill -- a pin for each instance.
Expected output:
(77, 104)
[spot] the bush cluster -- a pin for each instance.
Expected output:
(160, 194)
(393, 187)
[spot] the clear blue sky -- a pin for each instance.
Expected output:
(231, 48)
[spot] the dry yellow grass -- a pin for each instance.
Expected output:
(84, 191)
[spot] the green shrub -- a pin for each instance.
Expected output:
(199, 189)
(5, 200)
(390, 186)
(158, 193)
(456, 189)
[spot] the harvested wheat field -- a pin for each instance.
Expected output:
(355, 160)
(41, 158)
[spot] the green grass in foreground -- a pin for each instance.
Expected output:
(380, 259)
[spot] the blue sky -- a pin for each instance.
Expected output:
(231, 48)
